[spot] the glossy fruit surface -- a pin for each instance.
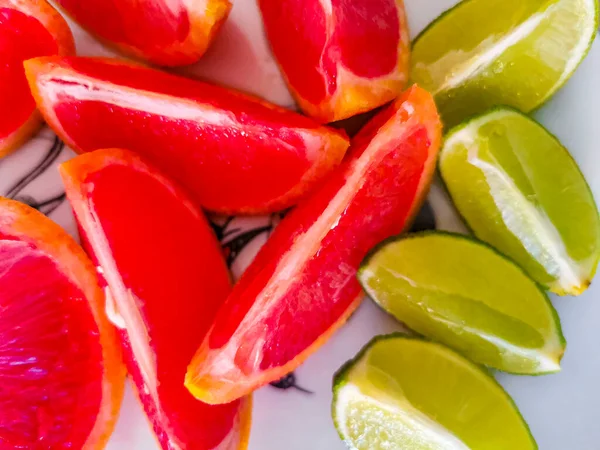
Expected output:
(340, 57)
(163, 32)
(61, 374)
(462, 293)
(221, 145)
(27, 29)
(302, 285)
(521, 191)
(166, 278)
(407, 393)
(484, 53)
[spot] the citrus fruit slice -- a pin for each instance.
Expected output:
(166, 277)
(220, 144)
(464, 294)
(407, 393)
(27, 29)
(340, 57)
(519, 190)
(61, 374)
(515, 53)
(164, 32)
(302, 285)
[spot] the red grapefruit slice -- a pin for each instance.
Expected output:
(339, 57)
(166, 277)
(221, 145)
(27, 29)
(302, 285)
(164, 32)
(61, 375)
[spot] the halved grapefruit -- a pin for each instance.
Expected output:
(302, 285)
(221, 145)
(27, 29)
(61, 374)
(164, 32)
(166, 278)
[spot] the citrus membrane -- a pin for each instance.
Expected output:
(519, 190)
(407, 393)
(483, 53)
(464, 294)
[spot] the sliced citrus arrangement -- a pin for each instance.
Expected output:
(61, 373)
(521, 191)
(302, 285)
(407, 393)
(168, 33)
(484, 53)
(464, 294)
(165, 277)
(340, 57)
(220, 144)
(27, 29)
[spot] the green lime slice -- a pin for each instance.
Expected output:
(460, 292)
(483, 53)
(519, 190)
(407, 393)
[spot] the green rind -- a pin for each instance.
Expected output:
(340, 378)
(553, 313)
(550, 93)
(500, 109)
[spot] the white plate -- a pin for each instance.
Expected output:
(563, 410)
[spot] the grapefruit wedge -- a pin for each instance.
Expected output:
(27, 29)
(164, 32)
(302, 285)
(221, 145)
(61, 374)
(166, 277)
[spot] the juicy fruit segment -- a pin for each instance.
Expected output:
(61, 374)
(340, 57)
(516, 53)
(170, 33)
(302, 285)
(519, 190)
(403, 392)
(462, 293)
(166, 277)
(220, 144)
(27, 29)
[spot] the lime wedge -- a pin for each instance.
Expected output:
(462, 293)
(406, 393)
(519, 190)
(484, 53)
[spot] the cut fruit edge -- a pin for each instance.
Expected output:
(31, 226)
(74, 173)
(215, 391)
(344, 391)
(548, 357)
(579, 274)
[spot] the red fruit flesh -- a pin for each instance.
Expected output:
(24, 34)
(302, 284)
(220, 144)
(166, 273)
(51, 369)
(166, 32)
(61, 376)
(340, 57)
